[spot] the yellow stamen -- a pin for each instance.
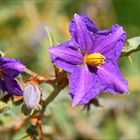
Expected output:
(94, 59)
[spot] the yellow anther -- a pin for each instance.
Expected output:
(94, 59)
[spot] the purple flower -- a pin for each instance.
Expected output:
(91, 59)
(9, 69)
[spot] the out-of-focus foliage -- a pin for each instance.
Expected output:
(23, 36)
(129, 17)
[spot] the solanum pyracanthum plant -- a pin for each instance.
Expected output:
(88, 59)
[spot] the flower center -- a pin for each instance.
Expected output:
(94, 59)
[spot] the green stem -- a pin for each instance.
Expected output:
(51, 97)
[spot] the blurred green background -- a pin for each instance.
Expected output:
(23, 36)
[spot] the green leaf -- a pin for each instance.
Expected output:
(133, 42)
(132, 45)
(5, 105)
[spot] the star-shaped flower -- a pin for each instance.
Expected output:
(9, 69)
(91, 59)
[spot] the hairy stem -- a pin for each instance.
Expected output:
(51, 97)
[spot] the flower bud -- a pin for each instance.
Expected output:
(31, 95)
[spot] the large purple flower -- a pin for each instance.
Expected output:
(9, 69)
(91, 59)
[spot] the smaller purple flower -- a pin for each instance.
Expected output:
(90, 56)
(9, 69)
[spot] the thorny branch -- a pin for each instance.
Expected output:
(39, 77)
(58, 88)
(43, 79)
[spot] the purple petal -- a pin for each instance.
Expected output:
(3, 60)
(81, 30)
(11, 67)
(12, 87)
(66, 56)
(112, 79)
(110, 42)
(2, 86)
(84, 85)
(89, 24)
